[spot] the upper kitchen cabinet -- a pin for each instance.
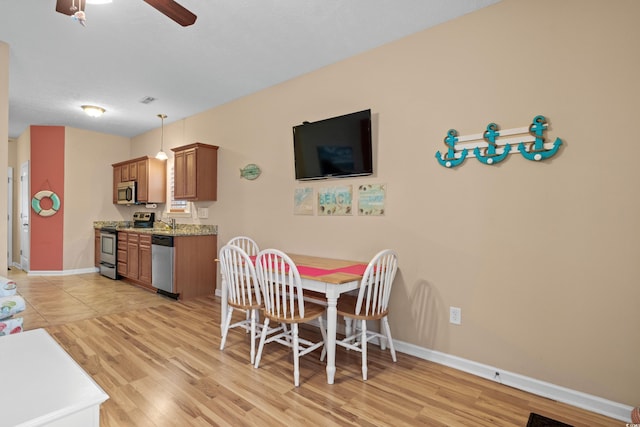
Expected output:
(150, 175)
(195, 172)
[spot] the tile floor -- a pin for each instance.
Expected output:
(53, 300)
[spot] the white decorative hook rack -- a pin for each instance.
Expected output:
(493, 145)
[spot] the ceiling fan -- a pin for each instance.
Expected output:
(169, 8)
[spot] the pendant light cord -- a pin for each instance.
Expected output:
(162, 155)
(162, 133)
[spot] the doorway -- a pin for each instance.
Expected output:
(10, 218)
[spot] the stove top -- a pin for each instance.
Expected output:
(143, 219)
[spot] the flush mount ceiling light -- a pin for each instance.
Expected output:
(93, 111)
(161, 154)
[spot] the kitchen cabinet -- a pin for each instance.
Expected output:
(134, 257)
(195, 172)
(194, 266)
(142, 181)
(144, 259)
(117, 171)
(150, 175)
(122, 254)
(124, 173)
(133, 171)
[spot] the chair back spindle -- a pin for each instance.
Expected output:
(375, 288)
(239, 276)
(282, 287)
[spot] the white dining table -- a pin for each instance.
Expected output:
(331, 277)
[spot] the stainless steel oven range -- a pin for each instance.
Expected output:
(143, 219)
(109, 252)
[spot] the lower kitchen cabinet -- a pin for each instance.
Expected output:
(132, 255)
(144, 259)
(194, 263)
(122, 254)
(194, 266)
(134, 258)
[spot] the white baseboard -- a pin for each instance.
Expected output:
(575, 398)
(61, 273)
(540, 388)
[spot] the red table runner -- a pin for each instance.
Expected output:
(317, 272)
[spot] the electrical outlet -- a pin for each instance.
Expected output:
(455, 315)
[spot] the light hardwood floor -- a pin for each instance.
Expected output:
(160, 363)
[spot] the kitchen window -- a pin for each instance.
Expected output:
(176, 207)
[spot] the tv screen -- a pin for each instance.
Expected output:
(335, 147)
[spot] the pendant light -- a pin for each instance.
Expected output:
(161, 154)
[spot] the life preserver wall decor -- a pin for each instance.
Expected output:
(55, 203)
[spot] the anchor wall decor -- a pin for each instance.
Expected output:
(493, 145)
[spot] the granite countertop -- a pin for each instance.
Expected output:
(161, 228)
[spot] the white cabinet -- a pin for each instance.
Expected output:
(44, 386)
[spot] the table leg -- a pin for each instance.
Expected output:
(332, 320)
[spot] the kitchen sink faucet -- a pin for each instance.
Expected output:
(171, 223)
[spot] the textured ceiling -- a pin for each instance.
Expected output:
(129, 51)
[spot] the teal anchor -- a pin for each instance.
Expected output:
(490, 156)
(450, 159)
(536, 150)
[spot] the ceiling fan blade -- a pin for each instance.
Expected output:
(174, 11)
(66, 6)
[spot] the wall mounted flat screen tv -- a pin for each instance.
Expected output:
(336, 147)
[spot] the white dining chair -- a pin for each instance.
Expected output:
(371, 303)
(243, 293)
(284, 305)
(246, 243)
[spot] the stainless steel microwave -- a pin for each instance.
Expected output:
(127, 193)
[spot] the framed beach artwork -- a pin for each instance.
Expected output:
(335, 201)
(303, 201)
(371, 199)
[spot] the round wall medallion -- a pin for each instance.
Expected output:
(250, 172)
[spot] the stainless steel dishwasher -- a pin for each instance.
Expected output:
(162, 265)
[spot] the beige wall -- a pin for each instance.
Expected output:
(541, 257)
(88, 190)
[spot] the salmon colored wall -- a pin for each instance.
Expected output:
(47, 173)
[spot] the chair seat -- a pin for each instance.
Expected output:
(347, 307)
(311, 311)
